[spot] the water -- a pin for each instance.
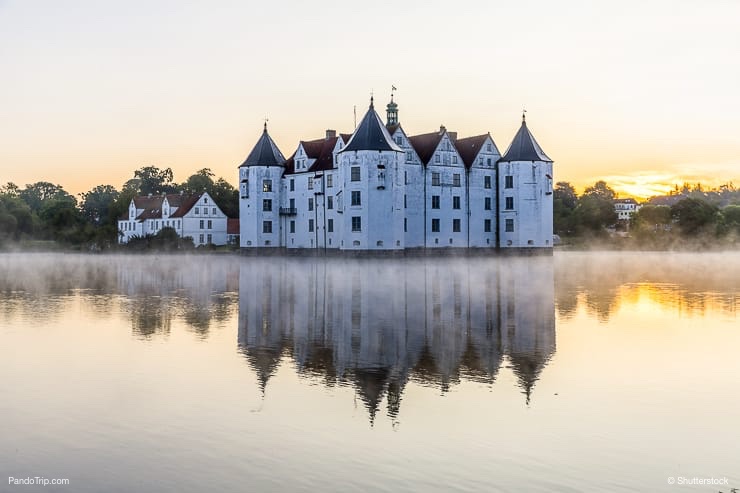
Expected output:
(581, 372)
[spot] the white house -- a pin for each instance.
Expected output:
(380, 189)
(625, 208)
(196, 216)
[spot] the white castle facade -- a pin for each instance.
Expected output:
(380, 189)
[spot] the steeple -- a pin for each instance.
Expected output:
(371, 135)
(524, 147)
(391, 111)
(265, 152)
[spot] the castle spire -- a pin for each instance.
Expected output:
(391, 111)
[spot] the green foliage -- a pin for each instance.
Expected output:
(154, 180)
(96, 204)
(652, 216)
(165, 240)
(694, 216)
(564, 204)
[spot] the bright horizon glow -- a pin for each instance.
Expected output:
(640, 94)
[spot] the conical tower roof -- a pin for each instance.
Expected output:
(524, 147)
(265, 152)
(371, 135)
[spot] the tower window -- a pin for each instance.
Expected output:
(267, 227)
(508, 181)
(455, 225)
(356, 198)
(435, 225)
(509, 203)
(355, 173)
(487, 226)
(310, 225)
(487, 204)
(292, 226)
(509, 226)
(267, 185)
(330, 225)
(267, 205)
(356, 223)
(435, 201)
(456, 202)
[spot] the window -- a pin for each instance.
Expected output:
(488, 147)
(435, 225)
(330, 225)
(197, 211)
(456, 180)
(509, 225)
(267, 205)
(330, 203)
(356, 223)
(409, 156)
(487, 226)
(405, 177)
(455, 225)
(329, 181)
(435, 179)
(435, 201)
(267, 185)
(487, 182)
(356, 198)
(210, 224)
(201, 238)
(292, 204)
(210, 238)
(404, 201)
(213, 211)
(310, 204)
(405, 225)
(292, 226)
(487, 204)
(489, 161)
(456, 202)
(292, 184)
(310, 225)
(310, 183)
(509, 203)
(436, 158)
(399, 140)
(205, 200)
(454, 159)
(508, 181)
(267, 227)
(355, 170)
(201, 223)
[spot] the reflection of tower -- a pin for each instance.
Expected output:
(528, 317)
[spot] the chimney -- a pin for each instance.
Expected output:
(330, 134)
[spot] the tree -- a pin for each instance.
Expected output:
(96, 204)
(154, 180)
(694, 215)
(652, 215)
(731, 216)
(37, 193)
(564, 204)
(227, 197)
(595, 208)
(201, 181)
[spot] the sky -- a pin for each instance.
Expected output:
(644, 94)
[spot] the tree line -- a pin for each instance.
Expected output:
(689, 214)
(44, 211)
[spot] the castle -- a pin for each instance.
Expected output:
(379, 189)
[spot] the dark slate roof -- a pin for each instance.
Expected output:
(524, 147)
(289, 165)
(469, 147)
(425, 145)
(371, 135)
(325, 158)
(265, 153)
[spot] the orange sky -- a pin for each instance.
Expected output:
(643, 94)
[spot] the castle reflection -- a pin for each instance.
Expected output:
(378, 325)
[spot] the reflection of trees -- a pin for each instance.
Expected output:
(602, 282)
(376, 325)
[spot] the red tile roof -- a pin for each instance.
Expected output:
(469, 147)
(187, 203)
(232, 226)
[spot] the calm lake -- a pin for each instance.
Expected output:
(580, 372)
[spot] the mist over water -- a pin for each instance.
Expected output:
(185, 373)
